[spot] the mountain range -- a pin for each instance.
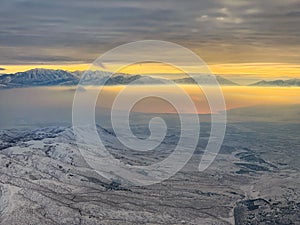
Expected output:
(280, 83)
(48, 77)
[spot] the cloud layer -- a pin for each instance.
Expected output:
(39, 31)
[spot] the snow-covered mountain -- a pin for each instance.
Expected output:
(47, 77)
(282, 83)
(38, 77)
(105, 78)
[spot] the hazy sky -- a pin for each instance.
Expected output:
(219, 31)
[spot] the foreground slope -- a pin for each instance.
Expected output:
(44, 180)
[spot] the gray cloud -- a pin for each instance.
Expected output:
(77, 31)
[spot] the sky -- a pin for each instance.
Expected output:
(241, 39)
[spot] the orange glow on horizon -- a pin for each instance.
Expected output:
(235, 97)
(260, 70)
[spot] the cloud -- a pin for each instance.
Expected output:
(2, 69)
(72, 31)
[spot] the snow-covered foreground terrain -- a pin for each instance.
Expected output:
(254, 180)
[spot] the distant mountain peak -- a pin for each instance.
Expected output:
(279, 83)
(204, 79)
